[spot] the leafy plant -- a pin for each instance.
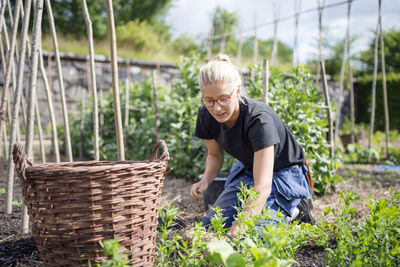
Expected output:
(115, 258)
(297, 101)
(2, 190)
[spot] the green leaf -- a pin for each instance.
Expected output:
(220, 251)
(235, 260)
(2, 190)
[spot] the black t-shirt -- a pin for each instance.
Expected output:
(257, 127)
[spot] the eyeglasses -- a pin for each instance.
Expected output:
(222, 100)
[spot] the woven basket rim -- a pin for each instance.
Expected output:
(93, 164)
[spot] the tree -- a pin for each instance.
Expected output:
(224, 22)
(69, 19)
(392, 53)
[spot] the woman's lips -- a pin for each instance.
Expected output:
(220, 115)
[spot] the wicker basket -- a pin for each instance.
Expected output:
(75, 206)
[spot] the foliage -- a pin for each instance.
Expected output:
(356, 153)
(224, 22)
(297, 101)
(115, 258)
(139, 35)
(391, 40)
(174, 250)
(371, 243)
(2, 190)
(68, 15)
(185, 45)
(363, 100)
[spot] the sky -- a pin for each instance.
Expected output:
(193, 17)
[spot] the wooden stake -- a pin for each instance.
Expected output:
(16, 105)
(126, 117)
(51, 108)
(274, 57)
(265, 80)
(373, 93)
(156, 105)
(114, 72)
(92, 80)
(68, 147)
(385, 102)
(239, 51)
(321, 4)
(82, 125)
(341, 79)
(255, 43)
(40, 132)
(328, 104)
(37, 21)
(297, 8)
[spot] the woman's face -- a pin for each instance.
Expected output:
(226, 114)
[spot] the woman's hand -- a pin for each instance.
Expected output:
(197, 190)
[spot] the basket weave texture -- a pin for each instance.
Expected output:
(75, 206)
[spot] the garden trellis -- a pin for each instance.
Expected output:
(14, 73)
(346, 59)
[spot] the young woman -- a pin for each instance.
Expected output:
(268, 155)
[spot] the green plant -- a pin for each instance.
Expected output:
(16, 203)
(115, 258)
(2, 190)
(297, 100)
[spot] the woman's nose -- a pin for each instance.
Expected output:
(216, 106)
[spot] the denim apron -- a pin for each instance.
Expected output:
(289, 186)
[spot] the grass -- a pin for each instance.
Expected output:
(102, 47)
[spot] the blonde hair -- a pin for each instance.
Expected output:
(219, 70)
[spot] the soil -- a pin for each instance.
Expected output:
(17, 249)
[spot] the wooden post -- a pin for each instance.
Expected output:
(297, 8)
(92, 81)
(373, 93)
(320, 12)
(16, 105)
(37, 21)
(51, 108)
(114, 72)
(49, 70)
(101, 121)
(239, 51)
(274, 57)
(68, 147)
(210, 42)
(82, 125)
(40, 132)
(328, 104)
(9, 65)
(385, 102)
(156, 105)
(223, 37)
(341, 79)
(126, 117)
(265, 80)
(255, 43)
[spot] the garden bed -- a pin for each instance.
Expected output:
(20, 250)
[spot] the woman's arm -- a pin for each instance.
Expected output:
(262, 171)
(214, 160)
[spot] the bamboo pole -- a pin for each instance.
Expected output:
(342, 69)
(9, 65)
(321, 4)
(274, 57)
(40, 132)
(352, 104)
(37, 21)
(92, 80)
(16, 105)
(51, 108)
(373, 93)
(222, 47)
(265, 80)
(210, 42)
(82, 124)
(297, 8)
(49, 70)
(385, 102)
(328, 104)
(255, 42)
(101, 120)
(126, 117)
(156, 105)
(114, 72)
(240, 46)
(68, 147)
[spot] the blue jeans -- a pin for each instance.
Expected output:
(289, 186)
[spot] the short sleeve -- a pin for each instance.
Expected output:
(262, 131)
(202, 124)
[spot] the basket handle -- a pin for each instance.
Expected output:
(21, 161)
(165, 154)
